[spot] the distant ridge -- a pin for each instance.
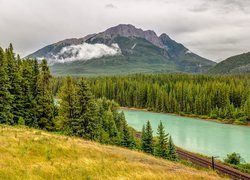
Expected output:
(234, 65)
(121, 49)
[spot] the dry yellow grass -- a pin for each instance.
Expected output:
(32, 154)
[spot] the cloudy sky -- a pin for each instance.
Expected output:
(215, 29)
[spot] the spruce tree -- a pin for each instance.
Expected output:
(147, 139)
(247, 108)
(110, 123)
(27, 95)
(44, 99)
(14, 77)
(127, 137)
(120, 121)
(34, 86)
(5, 96)
(171, 152)
(85, 123)
(162, 142)
(68, 100)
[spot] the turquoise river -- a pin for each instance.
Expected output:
(205, 137)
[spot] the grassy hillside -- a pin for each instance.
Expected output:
(233, 65)
(33, 154)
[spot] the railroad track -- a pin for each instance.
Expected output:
(204, 162)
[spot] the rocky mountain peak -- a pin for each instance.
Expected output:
(128, 30)
(165, 37)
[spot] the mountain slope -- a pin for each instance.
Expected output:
(33, 154)
(143, 58)
(235, 64)
(122, 49)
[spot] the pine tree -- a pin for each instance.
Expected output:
(68, 100)
(171, 152)
(44, 99)
(162, 142)
(120, 121)
(127, 137)
(5, 96)
(147, 138)
(15, 82)
(85, 123)
(27, 95)
(110, 123)
(34, 86)
(247, 108)
(35, 77)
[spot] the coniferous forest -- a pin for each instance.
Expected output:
(217, 97)
(25, 92)
(26, 98)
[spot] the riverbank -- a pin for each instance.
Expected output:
(222, 121)
(203, 138)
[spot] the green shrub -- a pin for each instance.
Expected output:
(234, 159)
(21, 121)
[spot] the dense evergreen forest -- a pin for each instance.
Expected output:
(26, 98)
(25, 91)
(217, 97)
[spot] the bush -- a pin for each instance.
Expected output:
(21, 121)
(244, 168)
(213, 116)
(243, 119)
(238, 122)
(233, 158)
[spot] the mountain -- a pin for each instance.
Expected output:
(121, 49)
(233, 65)
(34, 154)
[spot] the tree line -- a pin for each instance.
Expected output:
(207, 96)
(82, 115)
(25, 91)
(162, 146)
(26, 98)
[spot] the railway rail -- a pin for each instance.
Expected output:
(204, 162)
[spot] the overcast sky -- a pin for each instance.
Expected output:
(215, 29)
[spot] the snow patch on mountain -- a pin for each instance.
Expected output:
(188, 52)
(133, 46)
(84, 52)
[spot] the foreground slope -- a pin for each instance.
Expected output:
(233, 65)
(32, 154)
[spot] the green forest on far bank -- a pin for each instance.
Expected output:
(226, 98)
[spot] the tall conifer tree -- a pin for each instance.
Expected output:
(5, 96)
(147, 138)
(171, 152)
(44, 99)
(162, 142)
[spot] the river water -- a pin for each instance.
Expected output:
(205, 137)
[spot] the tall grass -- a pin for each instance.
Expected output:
(32, 154)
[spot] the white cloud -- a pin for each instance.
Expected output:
(84, 52)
